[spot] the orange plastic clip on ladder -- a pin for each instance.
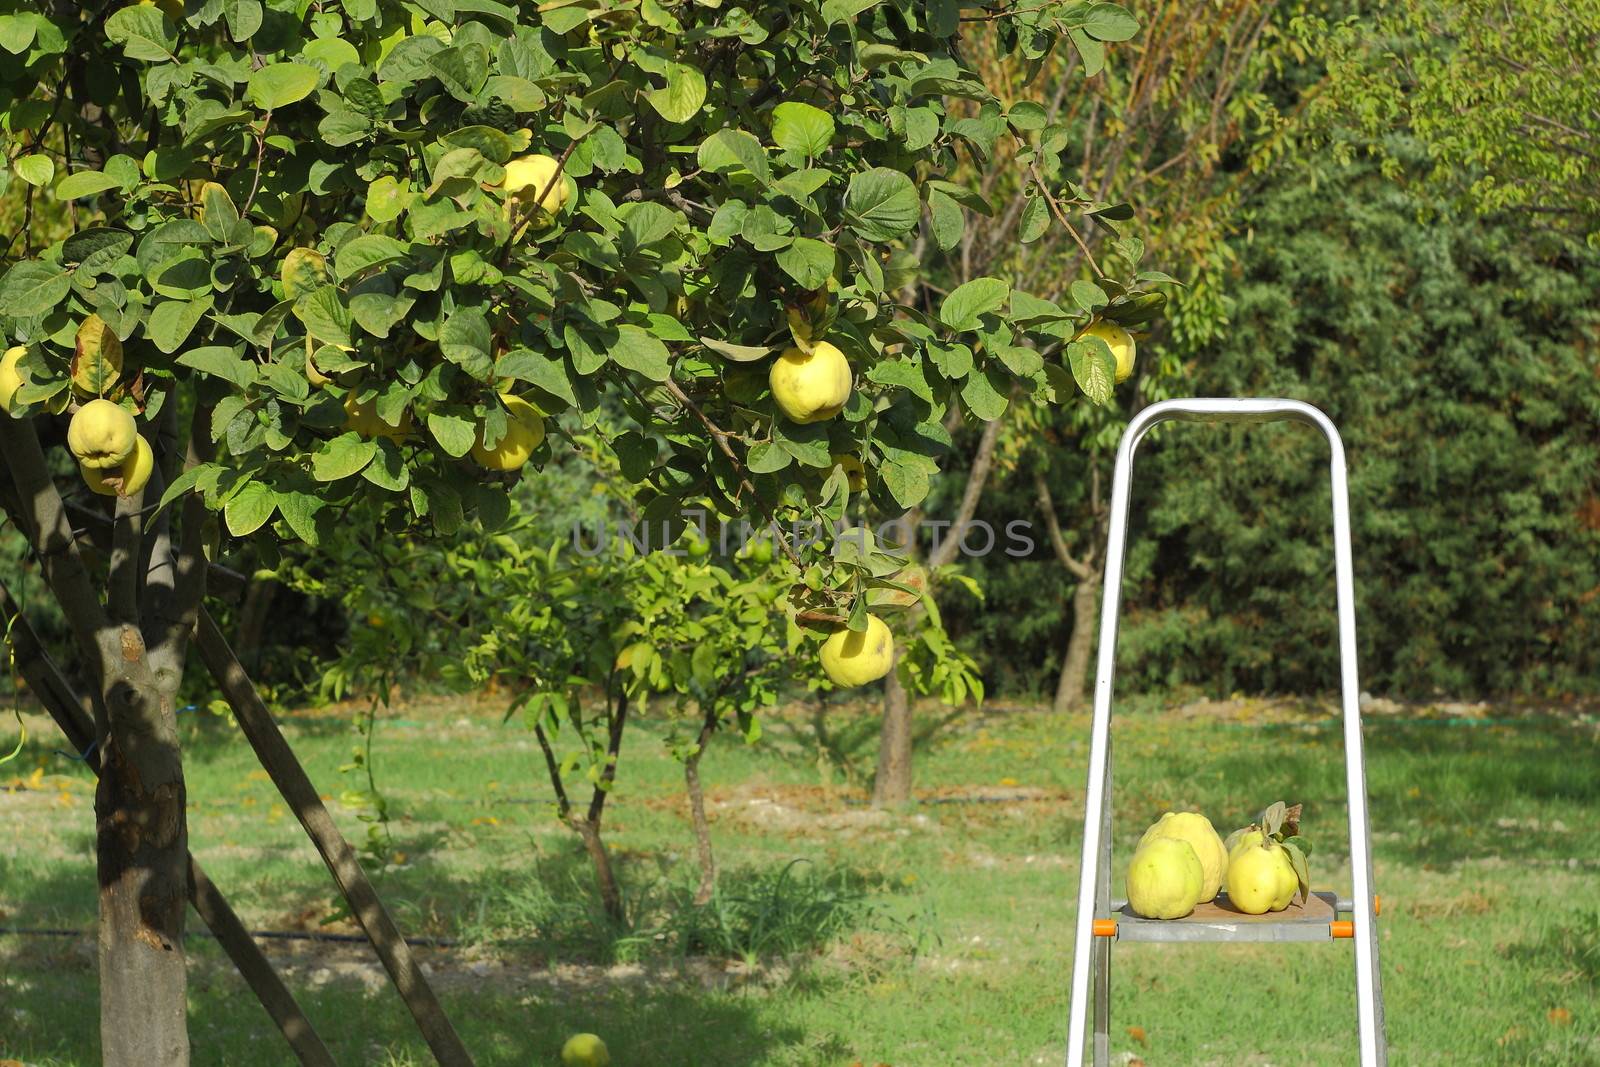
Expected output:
(1103, 922)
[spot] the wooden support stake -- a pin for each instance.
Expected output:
(279, 760)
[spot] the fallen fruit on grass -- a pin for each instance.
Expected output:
(524, 433)
(585, 1050)
(1120, 342)
(851, 658)
(1164, 879)
(1261, 878)
(10, 377)
(101, 434)
(810, 386)
(125, 479)
(1197, 830)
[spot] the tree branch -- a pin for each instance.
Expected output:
(1047, 507)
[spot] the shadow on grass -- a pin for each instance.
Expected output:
(519, 1016)
(52, 1020)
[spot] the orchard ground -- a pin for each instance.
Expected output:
(934, 937)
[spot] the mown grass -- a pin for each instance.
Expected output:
(936, 936)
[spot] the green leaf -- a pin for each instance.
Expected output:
(801, 128)
(341, 457)
(766, 458)
(1093, 368)
(84, 183)
(244, 18)
(537, 369)
(949, 222)
(333, 51)
(324, 315)
(387, 198)
(840, 11)
(1027, 115)
(731, 150)
(36, 170)
(456, 434)
(984, 393)
(808, 261)
(1087, 295)
(922, 128)
(462, 70)
(408, 60)
(1035, 220)
(342, 126)
(366, 252)
(299, 510)
(902, 373)
(881, 204)
(173, 320)
(220, 361)
(95, 248)
(465, 341)
(1110, 22)
(647, 223)
(143, 32)
(737, 353)
(1091, 51)
(965, 307)
(220, 214)
(388, 468)
(638, 350)
(908, 484)
(249, 509)
(18, 31)
(31, 288)
(684, 95)
(281, 84)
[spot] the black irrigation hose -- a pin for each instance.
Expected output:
(263, 935)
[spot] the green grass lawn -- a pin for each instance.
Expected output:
(929, 938)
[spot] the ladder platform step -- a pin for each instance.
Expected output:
(1220, 921)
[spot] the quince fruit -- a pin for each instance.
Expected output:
(1164, 879)
(1197, 830)
(101, 435)
(852, 658)
(811, 386)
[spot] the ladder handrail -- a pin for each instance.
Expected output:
(1248, 410)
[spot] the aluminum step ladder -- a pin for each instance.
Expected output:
(1103, 921)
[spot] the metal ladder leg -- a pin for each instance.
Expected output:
(1094, 874)
(1369, 994)
(1102, 945)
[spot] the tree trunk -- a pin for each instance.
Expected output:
(253, 614)
(75, 714)
(1073, 684)
(697, 814)
(141, 850)
(605, 879)
(891, 786)
(141, 837)
(588, 826)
